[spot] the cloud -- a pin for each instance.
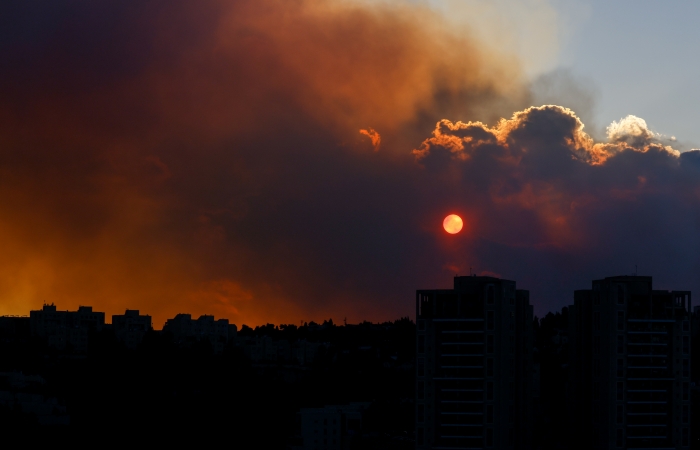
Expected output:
(555, 131)
(205, 158)
(553, 208)
(374, 137)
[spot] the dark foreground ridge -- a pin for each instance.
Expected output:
(614, 370)
(258, 387)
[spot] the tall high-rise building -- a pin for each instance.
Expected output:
(629, 375)
(474, 366)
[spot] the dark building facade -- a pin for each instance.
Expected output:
(474, 366)
(131, 327)
(14, 327)
(629, 378)
(185, 331)
(66, 330)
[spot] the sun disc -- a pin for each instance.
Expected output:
(453, 224)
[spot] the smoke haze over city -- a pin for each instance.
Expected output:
(277, 161)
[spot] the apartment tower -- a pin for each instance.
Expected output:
(474, 366)
(629, 377)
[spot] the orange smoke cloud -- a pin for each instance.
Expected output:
(374, 137)
(201, 158)
(180, 157)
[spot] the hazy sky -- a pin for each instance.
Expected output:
(637, 57)
(643, 57)
(277, 161)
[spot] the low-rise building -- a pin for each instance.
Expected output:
(264, 349)
(19, 393)
(14, 327)
(66, 330)
(185, 331)
(131, 327)
(331, 427)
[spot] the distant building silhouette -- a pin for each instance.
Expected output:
(18, 393)
(66, 330)
(185, 331)
(331, 427)
(630, 365)
(131, 327)
(13, 327)
(264, 349)
(474, 366)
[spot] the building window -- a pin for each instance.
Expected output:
(489, 367)
(490, 320)
(620, 367)
(686, 368)
(420, 412)
(686, 391)
(620, 344)
(686, 414)
(686, 437)
(489, 343)
(421, 367)
(421, 436)
(489, 390)
(686, 325)
(489, 413)
(620, 413)
(596, 321)
(620, 391)
(421, 343)
(686, 345)
(620, 320)
(490, 295)
(489, 437)
(620, 295)
(421, 389)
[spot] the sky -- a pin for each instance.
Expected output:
(639, 57)
(285, 161)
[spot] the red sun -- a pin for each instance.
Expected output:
(453, 224)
